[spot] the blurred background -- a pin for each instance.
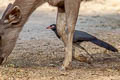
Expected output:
(38, 52)
(5, 2)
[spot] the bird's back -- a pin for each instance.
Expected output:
(80, 36)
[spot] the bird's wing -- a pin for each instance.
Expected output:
(82, 36)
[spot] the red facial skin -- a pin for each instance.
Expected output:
(50, 27)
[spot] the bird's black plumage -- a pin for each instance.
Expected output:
(81, 36)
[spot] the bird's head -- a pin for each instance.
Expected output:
(52, 26)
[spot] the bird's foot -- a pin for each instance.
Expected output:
(81, 58)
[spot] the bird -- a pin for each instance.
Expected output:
(81, 36)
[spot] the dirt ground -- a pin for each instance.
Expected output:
(39, 54)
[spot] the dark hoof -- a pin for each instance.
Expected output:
(1, 60)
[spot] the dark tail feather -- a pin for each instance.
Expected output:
(104, 45)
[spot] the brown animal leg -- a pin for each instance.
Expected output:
(71, 9)
(61, 23)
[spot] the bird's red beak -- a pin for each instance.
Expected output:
(49, 27)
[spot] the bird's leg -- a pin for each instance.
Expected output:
(87, 52)
(76, 56)
(71, 11)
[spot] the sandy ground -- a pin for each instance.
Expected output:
(38, 53)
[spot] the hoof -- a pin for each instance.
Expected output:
(1, 60)
(62, 68)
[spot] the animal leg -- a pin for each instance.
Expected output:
(71, 10)
(61, 24)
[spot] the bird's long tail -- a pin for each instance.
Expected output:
(104, 45)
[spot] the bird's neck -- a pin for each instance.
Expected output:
(55, 31)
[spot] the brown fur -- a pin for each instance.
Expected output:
(17, 15)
